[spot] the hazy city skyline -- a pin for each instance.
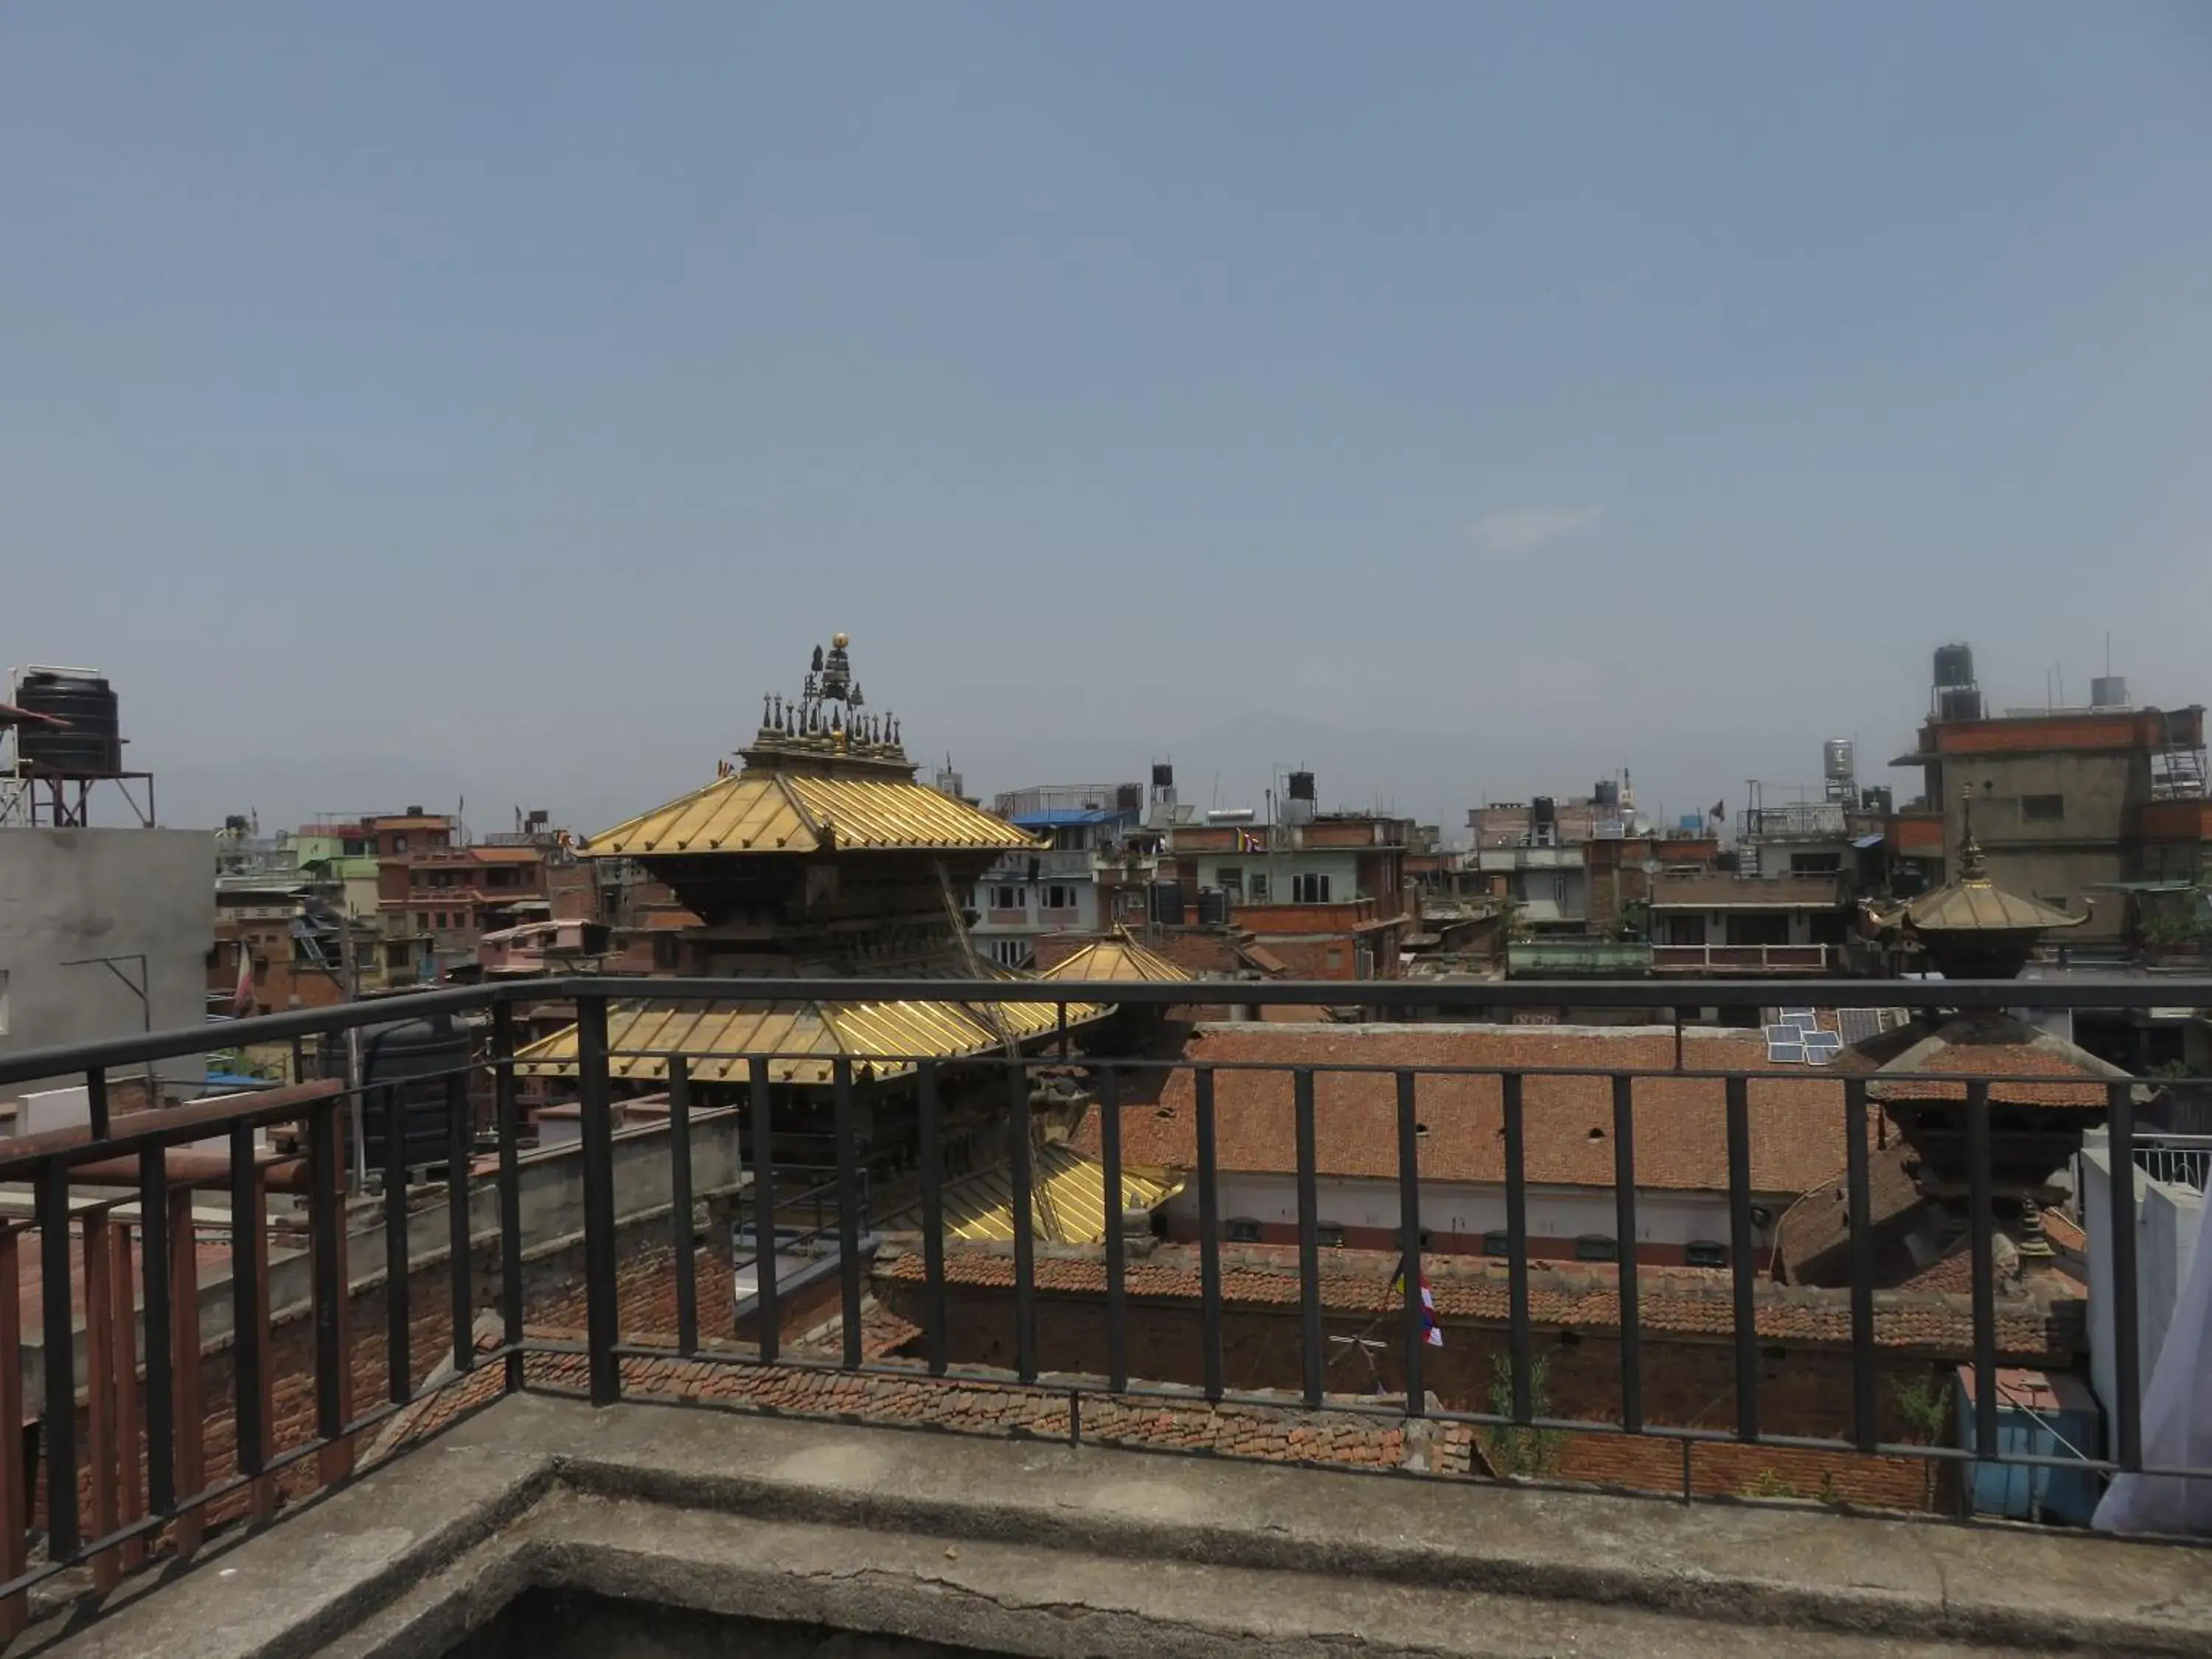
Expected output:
(405, 403)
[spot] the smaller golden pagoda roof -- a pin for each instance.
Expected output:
(1067, 1193)
(1972, 904)
(807, 1038)
(1117, 958)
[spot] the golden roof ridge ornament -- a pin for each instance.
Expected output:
(1973, 867)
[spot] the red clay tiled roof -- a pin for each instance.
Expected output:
(1691, 1302)
(1681, 1135)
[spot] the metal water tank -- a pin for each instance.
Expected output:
(1606, 793)
(404, 1069)
(2108, 691)
(1213, 907)
(1835, 759)
(91, 744)
(1167, 903)
(1958, 702)
(1955, 665)
(1162, 775)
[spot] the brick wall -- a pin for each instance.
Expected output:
(1802, 1390)
(553, 1296)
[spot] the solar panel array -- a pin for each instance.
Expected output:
(1795, 1038)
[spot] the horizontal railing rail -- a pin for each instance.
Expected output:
(116, 1328)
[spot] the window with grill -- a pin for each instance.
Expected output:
(1241, 1229)
(2042, 809)
(1707, 1252)
(1596, 1246)
(1330, 1234)
(1499, 1242)
(1309, 889)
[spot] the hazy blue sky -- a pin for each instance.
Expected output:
(397, 399)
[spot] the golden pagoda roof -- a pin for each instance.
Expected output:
(763, 810)
(718, 1038)
(1067, 1191)
(1975, 904)
(1117, 957)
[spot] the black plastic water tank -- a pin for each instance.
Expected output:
(1213, 907)
(91, 744)
(403, 1069)
(1955, 665)
(1167, 903)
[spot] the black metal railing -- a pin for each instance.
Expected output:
(122, 1177)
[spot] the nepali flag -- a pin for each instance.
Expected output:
(1431, 1332)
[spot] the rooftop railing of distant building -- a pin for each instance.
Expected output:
(2178, 1160)
(113, 1228)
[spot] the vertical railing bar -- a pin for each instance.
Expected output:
(1209, 1235)
(325, 1225)
(602, 1307)
(95, 1100)
(767, 1333)
(247, 1222)
(1746, 1319)
(100, 1391)
(1865, 1427)
(187, 1399)
(1021, 1179)
(683, 1229)
(1624, 1199)
(1981, 1227)
(154, 1271)
(1516, 1248)
(398, 1354)
(848, 1214)
(2127, 1356)
(460, 1267)
(59, 1415)
(131, 1492)
(508, 1119)
(931, 1108)
(1409, 1243)
(1310, 1326)
(15, 1471)
(1117, 1299)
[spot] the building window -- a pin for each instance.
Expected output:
(1010, 952)
(1816, 864)
(1330, 1234)
(1309, 889)
(1706, 1253)
(1497, 1243)
(395, 956)
(422, 921)
(1007, 898)
(1231, 880)
(1596, 1246)
(1059, 898)
(1241, 1230)
(2042, 809)
(1258, 884)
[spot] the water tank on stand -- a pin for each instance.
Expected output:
(1298, 804)
(1167, 903)
(90, 743)
(1954, 666)
(2108, 691)
(1835, 759)
(404, 1070)
(1213, 907)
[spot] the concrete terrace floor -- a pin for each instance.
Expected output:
(1028, 1547)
